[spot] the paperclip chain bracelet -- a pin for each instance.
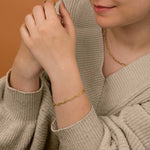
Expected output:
(70, 98)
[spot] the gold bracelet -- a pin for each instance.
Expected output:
(70, 98)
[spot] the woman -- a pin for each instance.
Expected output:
(100, 65)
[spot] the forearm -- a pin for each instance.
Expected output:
(67, 85)
(17, 81)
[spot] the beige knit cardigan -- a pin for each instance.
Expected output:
(119, 118)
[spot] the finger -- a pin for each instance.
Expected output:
(39, 14)
(66, 18)
(50, 10)
(30, 23)
(24, 33)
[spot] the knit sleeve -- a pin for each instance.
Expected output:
(18, 114)
(127, 130)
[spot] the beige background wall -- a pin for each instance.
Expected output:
(12, 14)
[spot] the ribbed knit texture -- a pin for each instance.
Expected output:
(119, 118)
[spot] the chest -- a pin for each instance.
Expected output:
(127, 87)
(109, 65)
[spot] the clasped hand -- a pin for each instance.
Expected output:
(51, 43)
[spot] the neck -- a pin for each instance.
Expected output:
(132, 37)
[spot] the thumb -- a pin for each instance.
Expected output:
(67, 20)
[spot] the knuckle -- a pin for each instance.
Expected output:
(54, 23)
(21, 27)
(41, 29)
(36, 8)
(27, 17)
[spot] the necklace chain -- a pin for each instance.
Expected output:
(105, 38)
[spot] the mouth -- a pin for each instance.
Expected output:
(101, 9)
(100, 6)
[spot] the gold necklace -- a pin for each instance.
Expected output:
(105, 38)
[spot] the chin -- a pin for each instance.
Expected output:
(105, 24)
(108, 22)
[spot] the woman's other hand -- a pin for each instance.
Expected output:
(50, 42)
(25, 70)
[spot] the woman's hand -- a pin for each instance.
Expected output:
(25, 63)
(50, 42)
(25, 71)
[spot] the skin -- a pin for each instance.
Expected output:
(127, 25)
(51, 43)
(122, 25)
(26, 69)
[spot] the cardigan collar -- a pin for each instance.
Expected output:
(121, 87)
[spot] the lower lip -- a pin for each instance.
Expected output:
(102, 9)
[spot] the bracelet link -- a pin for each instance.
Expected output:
(70, 98)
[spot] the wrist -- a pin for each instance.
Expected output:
(64, 73)
(22, 83)
(68, 81)
(25, 72)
